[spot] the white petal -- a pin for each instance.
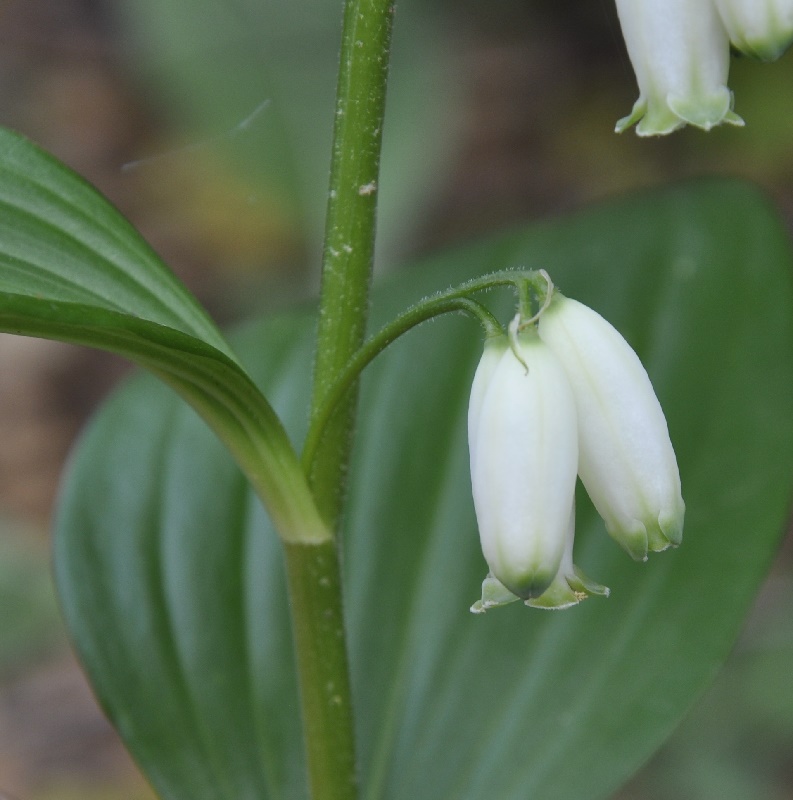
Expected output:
(523, 467)
(626, 460)
(494, 349)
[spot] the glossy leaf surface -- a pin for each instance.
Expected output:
(64, 243)
(171, 579)
(72, 268)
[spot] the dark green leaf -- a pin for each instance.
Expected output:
(172, 583)
(62, 242)
(71, 268)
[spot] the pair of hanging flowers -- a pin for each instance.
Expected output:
(564, 395)
(680, 51)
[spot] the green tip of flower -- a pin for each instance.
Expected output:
(583, 583)
(672, 527)
(665, 116)
(637, 112)
(634, 541)
(731, 118)
(651, 536)
(650, 119)
(657, 541)
(557, 598)
(494, 594)
(706, 112)
(567, 591)
(526, 581)
(765, 49)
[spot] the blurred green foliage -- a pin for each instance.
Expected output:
(210, 65)
(737, 741)
(30, 623)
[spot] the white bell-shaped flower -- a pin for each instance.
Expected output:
(626, 460)
(524, 455)
(680, 54)
(759, 28)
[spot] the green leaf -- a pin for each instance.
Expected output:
(64, 243)
(735, 743)
(71, 268)
(172, 581)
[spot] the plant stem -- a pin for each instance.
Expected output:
(350, 230)
(318, 630)
(313, 570)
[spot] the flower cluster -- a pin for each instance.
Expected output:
(680, 52)
(565, 397)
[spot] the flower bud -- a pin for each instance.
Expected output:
(524, 454)
(626, 460)
(680, 53)
(762, 29)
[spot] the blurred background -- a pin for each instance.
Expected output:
(207, 122)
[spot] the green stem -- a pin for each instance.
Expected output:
(318, 629)
(313, 571)
(503, 277)
(524, 299)
(349, 232)
(421, 312)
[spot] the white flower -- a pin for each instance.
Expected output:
(760, 28)
(680, 53)
(626, 460)
(524, 455)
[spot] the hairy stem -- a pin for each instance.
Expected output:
(313, 571)
(445, 302)
(349, 232)
(318, 630)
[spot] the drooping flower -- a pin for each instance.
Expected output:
(762, 29)
(680, 54)
(626, 460)
(524, 454)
